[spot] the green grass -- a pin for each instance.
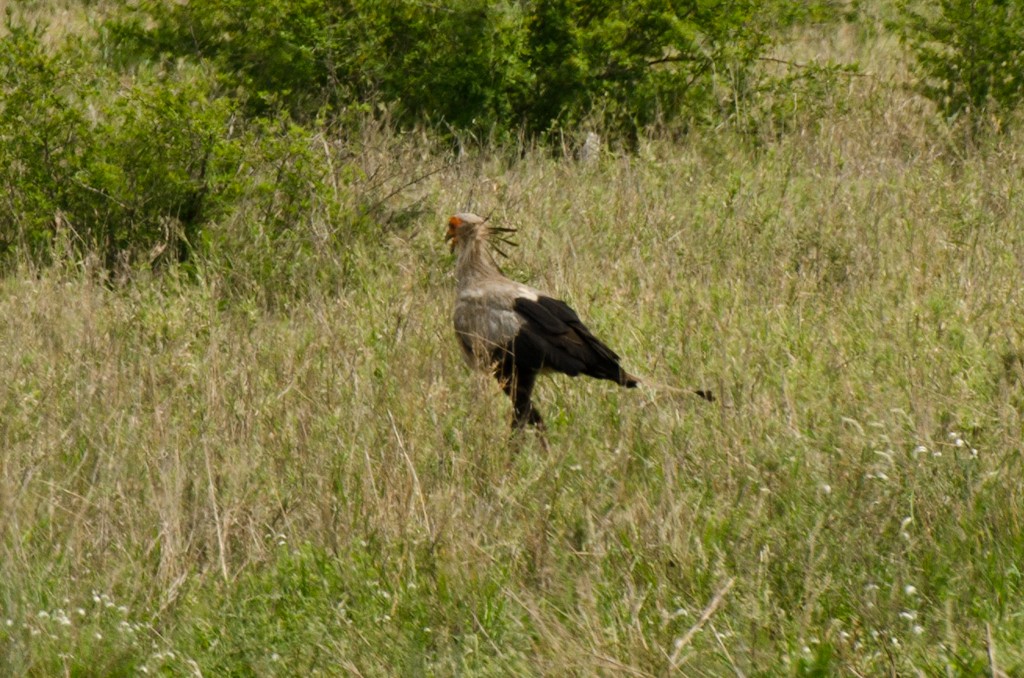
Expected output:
(196, 483)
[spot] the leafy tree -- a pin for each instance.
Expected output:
(469, 65)
(124, 173)
(637, 62)
(969, 53)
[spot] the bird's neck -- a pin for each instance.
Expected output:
(474, 263)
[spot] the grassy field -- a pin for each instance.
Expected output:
(196, 483)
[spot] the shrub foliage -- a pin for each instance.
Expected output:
(138, 171)
(122, 173)
(969, 53)
(471, 65)
(175, 117)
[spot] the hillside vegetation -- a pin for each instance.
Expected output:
(238, 437)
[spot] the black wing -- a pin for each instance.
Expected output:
(553, 336)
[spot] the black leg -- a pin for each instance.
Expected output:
(518, 385)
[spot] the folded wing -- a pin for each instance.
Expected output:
(553, 336)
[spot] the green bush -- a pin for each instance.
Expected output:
(151, 169)
(969, 53)
(638, 63)
(125, 173)
(200, 126)
(164, 161)
(40, 139)
(470, 66)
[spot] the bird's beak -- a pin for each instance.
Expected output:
(453, 224)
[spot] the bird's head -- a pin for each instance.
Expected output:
(465, 228)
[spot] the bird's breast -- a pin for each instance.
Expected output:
(484, 323)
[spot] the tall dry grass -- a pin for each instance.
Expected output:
(196, 483)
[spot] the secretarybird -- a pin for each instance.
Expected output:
(514, 331)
